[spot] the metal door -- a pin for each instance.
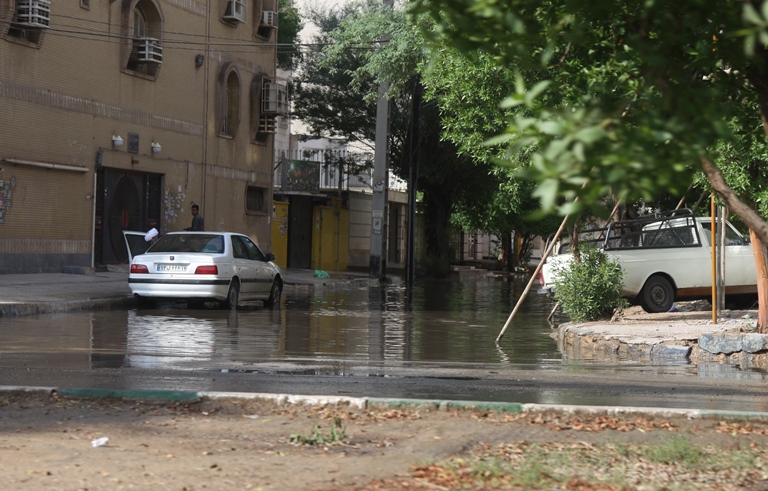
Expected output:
(300, 232)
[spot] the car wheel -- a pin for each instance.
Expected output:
(274, 296)
(233, 295)
(657, 295)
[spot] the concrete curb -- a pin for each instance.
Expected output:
(35, 308)
(364, 402)
(22, 308)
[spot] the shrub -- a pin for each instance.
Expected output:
(590, 289)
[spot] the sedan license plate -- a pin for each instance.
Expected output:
(171, 268)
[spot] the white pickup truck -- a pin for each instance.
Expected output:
(668, 257)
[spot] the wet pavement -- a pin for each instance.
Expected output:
(345, 336)
(25, 294)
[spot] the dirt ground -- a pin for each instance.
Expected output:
(47, 442)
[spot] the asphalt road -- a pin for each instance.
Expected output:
(668, 387)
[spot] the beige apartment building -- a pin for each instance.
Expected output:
(119, 114)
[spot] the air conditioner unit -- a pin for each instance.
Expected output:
(274, 98)
(33, 13)
(267, 123)
(148, 50)
(235, 11)
(269, 18)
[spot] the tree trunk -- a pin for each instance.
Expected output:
(437, 214)
(758, 231)
(758, 249)
(507, 259)
(575, 246)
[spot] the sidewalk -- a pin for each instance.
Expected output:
(25, 294)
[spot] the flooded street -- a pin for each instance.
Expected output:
(447, 322)
(363, 342)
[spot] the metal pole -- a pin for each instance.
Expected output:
(721, 248)
(410, 275)
(533, 277)
(378, 257)
(713, 243)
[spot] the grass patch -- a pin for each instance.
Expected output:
(674, 463)
(316, 436)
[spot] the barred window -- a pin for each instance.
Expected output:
(255, 200)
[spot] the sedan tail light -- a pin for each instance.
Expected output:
(207, 270)
(139, 268)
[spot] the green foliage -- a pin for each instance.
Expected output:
(288, 34)
(324, 98)
(316, 437)
(619, 98)
(589, 289)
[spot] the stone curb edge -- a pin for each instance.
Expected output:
(59, 307)
(364, 402)
(17, 309)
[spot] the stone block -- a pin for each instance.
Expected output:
(673, 352)
(754, 343)
(721, 343)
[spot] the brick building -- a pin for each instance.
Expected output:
(115, 114)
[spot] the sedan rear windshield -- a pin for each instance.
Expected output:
(204, 243)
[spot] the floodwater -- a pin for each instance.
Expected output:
(445, 322)
(438, 344)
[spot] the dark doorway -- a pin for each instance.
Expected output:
(126, 201)
(300, 232)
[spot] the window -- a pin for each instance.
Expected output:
(255, 109)
(265, 18)
(30, 20)
(253, 250)
(230, 101)
(254, 200)
(244, 248)
(143, 41)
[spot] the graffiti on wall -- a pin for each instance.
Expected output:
(172, 203)
(6, 195)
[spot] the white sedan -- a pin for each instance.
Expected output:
(198, 266)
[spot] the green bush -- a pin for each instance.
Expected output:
(590, 289)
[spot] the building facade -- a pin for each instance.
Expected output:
(121, 114)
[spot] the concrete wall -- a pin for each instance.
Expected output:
(63, 96)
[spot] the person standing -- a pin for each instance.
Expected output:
(198, 223)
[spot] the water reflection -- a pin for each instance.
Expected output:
(447, 321)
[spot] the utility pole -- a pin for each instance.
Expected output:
(378, 260)
(410, 265)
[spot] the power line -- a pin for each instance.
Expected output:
(209, 42)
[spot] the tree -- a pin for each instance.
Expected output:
(468, 94)
(287, 35)
(620, 97)
(325, 97)
(335, 95)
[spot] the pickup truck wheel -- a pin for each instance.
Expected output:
(657, 295)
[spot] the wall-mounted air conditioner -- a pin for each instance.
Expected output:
(33, 13)
(267, 123)
(274, 98)
(269, 18)
(148, 50)
(235, 11)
